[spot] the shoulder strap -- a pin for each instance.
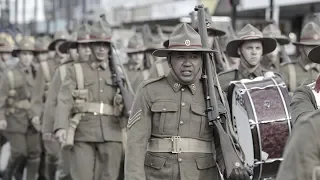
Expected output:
(45, 70)
(145, 74)
(292, 77)
(79, 76)
(11, 79)
(63, 72)
(159, 68)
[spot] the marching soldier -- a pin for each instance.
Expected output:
(301, 158)
(170, 110)
(135, 51)
(17, 119)
(51, 68)
(306, 98)
(89, 96)
(6, 47)
(296, 72)
(250, 47)
(271, 61)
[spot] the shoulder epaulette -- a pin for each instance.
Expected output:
(149, 81)
(229, 71)
(286, 63)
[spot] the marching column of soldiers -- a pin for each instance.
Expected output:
(71, 110)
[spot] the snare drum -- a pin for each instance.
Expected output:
(261, 119)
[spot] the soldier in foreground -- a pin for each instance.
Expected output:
(303, 70)
(306, 98)
(17, 119)
(172, 109)
(90, 97)
(271, 61)
(250, 47)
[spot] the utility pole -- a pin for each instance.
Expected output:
(35, 14)
(271, 9)
(84, 11)
(24, 16)
(54, 15)
(16, 12)
(234, 4)
(69, 14)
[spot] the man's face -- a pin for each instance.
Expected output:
(274, 55)
(186, 65)
(74, 54)
(5, 56)
(42, 56)
(137, 58)
(84, 51)
(100, 50)
(252, 52)
(26, 58)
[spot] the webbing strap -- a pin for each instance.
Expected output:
(63, 72)
(46, 71)
(145, 74)
(79, 76)
(11, 80)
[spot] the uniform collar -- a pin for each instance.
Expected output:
(176, 86)
(97, 64)
(246, 73)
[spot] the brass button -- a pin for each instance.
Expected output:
(100, 79)
(99, 69)
(182, 89)
(181, 122)
(183, 104)
(164, 109)
(179, 160)
(101, 90)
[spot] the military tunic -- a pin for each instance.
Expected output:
(97, 136)
(164, 108)
(302, 151)
(237, 74)
(295, 73)
(159, 68)
(23, 138)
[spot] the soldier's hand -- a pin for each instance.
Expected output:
(61, 135)
(3, 124)
(239, 174)
(36, 123)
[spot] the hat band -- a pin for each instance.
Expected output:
(250, 37)
(93, 37)
(309, 39)
(183, 45)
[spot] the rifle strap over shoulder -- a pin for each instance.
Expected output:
(292, 77)
(63, 72)
(159, 68)
(79, 76)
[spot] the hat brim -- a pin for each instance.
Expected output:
(306, 43)
(133, 51)
(53, 44)
(16, 51)
(165, 52)
(74, 44)
(213, 31)
(314, 55)
(268, 44)
(5, 50)
(282, 40)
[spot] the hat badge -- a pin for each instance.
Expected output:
(315, 36)
(187, 42)
(252, 33)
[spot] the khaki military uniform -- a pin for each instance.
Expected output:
(301, 156)
(295, 73)
(302, 104)
(237, 74)
(162, 109)
(159, 68)
(23, 138)
(97, 135)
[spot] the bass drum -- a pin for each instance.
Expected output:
(261, 120)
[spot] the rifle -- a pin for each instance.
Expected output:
(230, 155)
(116, 74)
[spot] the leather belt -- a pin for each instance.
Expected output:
(176, 144)
(95, 108)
